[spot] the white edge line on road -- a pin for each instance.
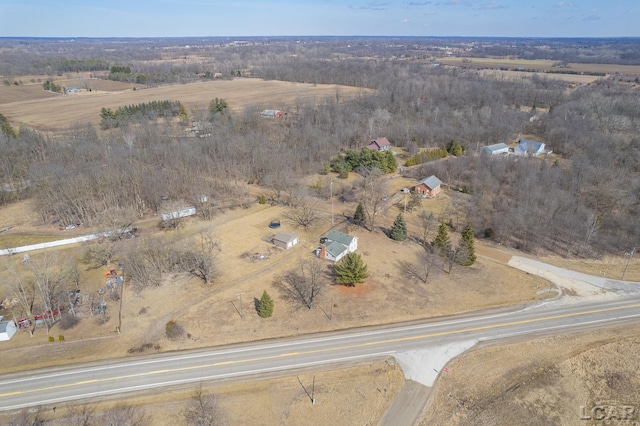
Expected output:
(260, 348)
(501, 336)
(199, 379)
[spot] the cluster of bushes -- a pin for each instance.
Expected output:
(425, 156)
(366, 159)
(150, 110)
(52, 87)
(125, 75)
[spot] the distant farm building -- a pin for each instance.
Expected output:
(7, 330)
(272, 113)
(379, 144)
(336, 245)
(495, 149)
(529, 148)
(177, 214)
(285, 240)
(426, 188)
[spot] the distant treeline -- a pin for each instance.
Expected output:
(563, 71)
(150, 110)
(74, 65)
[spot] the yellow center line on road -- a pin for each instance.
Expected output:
(359, 345)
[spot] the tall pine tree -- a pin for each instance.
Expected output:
(399, 229)
(442, 242)
(358, 216)
(351, 270)
(265, 305)
(465, 252)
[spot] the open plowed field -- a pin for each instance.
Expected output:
(62, 111)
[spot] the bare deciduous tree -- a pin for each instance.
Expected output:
(421, 268)
(304, 215)
(304, 285)
(373, 190)
(199, 259)
(126, 415)
(202, 409)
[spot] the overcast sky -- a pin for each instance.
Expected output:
(172, 18)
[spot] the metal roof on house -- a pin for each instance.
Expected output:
(431, 182)
(335, 249)
(526, 146)
(340, 237)
(381, 142)
(497, 146)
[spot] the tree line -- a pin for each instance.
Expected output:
(584, 203)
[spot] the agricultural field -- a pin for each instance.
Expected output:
(32, 106)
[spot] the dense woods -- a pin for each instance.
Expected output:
(587, 202)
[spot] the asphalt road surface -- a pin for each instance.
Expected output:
(51, 386)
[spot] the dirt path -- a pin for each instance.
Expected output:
(407, 406)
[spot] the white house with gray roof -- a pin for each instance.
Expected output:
(337, 245)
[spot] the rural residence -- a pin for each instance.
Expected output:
(426, 188)
(379, 144)
(495, 149)
(529, 148)
(336, 245)
(285, 240)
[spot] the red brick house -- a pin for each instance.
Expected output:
(427, 187)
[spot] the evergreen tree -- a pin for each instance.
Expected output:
(465, 253)
(351, 270)
(399, 229)
(390, 162)
(454, 148)
(442, 241)
(5, 127)
(265, 305)
(217, 105)
(358, 216)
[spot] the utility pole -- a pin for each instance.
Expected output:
(313, 388)
(241, 310)
(633, 250)
(331, 196)
(121, 299)
(405, 203)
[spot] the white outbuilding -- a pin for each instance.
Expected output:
(495, 149)
(7, 330)
(285, 240)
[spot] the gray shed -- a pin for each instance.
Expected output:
(285, 240)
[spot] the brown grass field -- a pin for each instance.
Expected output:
(42, 110)
(540, 64)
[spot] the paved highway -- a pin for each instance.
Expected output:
(133, 374)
